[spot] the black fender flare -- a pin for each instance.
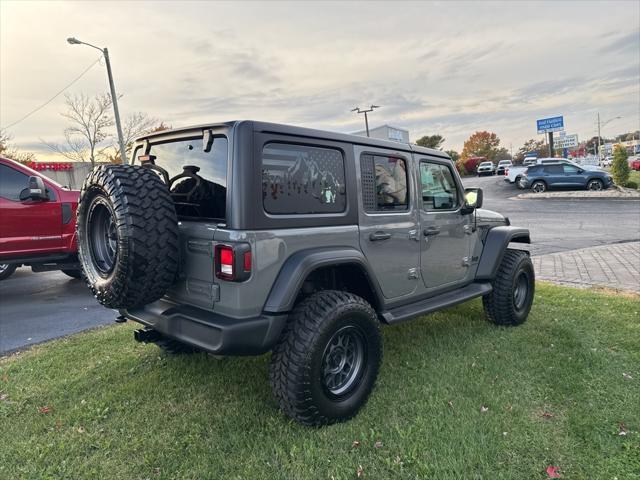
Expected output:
(298, 266)
(495, 245)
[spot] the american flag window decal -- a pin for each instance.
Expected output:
(301, 179)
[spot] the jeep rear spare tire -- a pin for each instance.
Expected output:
(328, 357)
(127, 235)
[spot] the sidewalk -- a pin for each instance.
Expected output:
(614, 266)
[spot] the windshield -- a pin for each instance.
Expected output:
(199, 190)
(486, 164)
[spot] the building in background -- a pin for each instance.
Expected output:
(387, 132)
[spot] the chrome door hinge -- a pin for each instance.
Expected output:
(413, 235)
(412, 273)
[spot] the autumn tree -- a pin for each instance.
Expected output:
(430, 141)
(481, 144)
(453, 154)
(538, 147)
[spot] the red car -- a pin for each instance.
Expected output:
(635, 164)
(37, 222)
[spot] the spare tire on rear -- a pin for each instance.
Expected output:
(127, 235)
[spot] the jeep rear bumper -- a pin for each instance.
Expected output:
(209, 331)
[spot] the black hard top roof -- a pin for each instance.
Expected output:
(268, 127)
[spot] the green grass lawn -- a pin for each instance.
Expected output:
(99, 405)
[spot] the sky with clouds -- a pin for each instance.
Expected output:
(435, 67)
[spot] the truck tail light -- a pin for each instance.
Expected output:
(506, 172)
(233, 262)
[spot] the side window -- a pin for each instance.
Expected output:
(384, 183)
(439, 190)
(12, 182)
(570, 169)
(302, 179)
(553, 169)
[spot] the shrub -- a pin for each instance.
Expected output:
(461, 170)
(620, 166)
(631, 184)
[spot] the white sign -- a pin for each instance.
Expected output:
(566, 141)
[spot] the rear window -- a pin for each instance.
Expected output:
(202, 191)
(302, 179)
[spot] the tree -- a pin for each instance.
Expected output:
(502, 154)
(538, 147)
(453, 154)
(481, 144)
(90, 120)
(135, 125)
(620, 166)
(430, 141)
(8, 150)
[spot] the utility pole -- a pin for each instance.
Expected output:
(598, 149)
(114, 97)
(551, 152)
(366, 120)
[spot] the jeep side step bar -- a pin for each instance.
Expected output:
(429, 305)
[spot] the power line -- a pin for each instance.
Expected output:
(55, 96)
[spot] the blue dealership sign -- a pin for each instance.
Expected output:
(552, 124)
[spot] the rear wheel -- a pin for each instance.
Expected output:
(510, 301)
(326, 363)
(595, 185)
(538, 186)
(6, 270)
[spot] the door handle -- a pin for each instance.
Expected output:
(377, 236)
(428, 232)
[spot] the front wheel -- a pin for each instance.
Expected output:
(327, 360)
(6, 270)
(510, 301)
(595, 185)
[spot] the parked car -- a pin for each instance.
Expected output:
(502, 166)
(634, 163)
(486, 168)
(300, 241)
(37, 222)
(543, 177)
(513, 173)
(606, 161)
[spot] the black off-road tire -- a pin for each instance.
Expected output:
(6, 270)
(77, 274)
(508, 304)
(140, 236)
(300, 360)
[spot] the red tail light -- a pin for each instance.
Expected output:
(233, 262)
(506, 172)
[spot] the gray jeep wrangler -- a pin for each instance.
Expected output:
(243, 237)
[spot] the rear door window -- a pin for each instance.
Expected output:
(384, 183)
(302, 179)
(553, 169)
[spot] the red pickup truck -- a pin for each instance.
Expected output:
(37, 222)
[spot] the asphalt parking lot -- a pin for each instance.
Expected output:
(35, 307)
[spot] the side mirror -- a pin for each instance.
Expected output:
(472, 200)
(35, 190)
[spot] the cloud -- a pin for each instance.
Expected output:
(627, 43)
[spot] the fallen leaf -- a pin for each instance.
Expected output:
(397, 460)
(450, 403)
(484, 409)
(378, 444)
(80, 429)
(360, 471)
(58, 425)
(547, 414)
(44, 410)
(504, 434)
(623, 430)
(627, 376)
(553, 472)
(355, 444)
(3, 396)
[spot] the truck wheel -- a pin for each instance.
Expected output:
(327, 360)
(73, 273)
(127, 235)
(6, 270)
(513, 289)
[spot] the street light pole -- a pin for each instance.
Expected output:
(114, 97)
(366, 119)
(604, 124)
